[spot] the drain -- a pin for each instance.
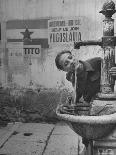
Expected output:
(28, 134)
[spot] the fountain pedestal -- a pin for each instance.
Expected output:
(106, 145)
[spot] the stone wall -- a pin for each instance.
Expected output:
(43, 70)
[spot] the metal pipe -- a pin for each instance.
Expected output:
(85, 43)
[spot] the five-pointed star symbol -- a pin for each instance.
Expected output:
(26, 34)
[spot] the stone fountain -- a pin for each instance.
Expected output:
(95, 128)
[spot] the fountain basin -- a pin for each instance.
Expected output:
(90, 127)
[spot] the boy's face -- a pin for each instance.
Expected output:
(67, 62)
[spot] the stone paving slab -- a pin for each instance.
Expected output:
(64, 141)
(4, 130)
(34, 144)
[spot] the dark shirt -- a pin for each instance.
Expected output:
(88, 83)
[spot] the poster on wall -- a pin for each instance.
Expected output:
(32, 50)
(20, 55)
(64, 30)
(15, 53)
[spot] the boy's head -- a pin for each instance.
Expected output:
(65, 61)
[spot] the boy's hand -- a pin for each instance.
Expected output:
(69, 76)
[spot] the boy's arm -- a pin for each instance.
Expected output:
(70, 76)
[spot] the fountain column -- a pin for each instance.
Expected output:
(108, 45)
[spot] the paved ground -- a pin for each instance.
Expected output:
(39, 139)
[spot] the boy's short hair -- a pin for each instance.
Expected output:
(57, 59)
